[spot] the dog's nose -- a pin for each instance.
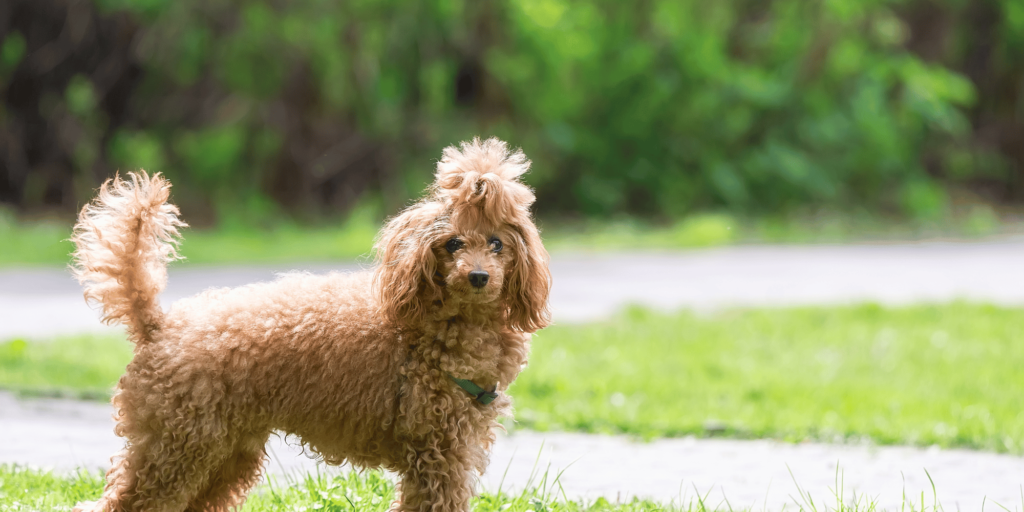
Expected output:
(478, 278)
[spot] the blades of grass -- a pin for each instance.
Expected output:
(903, 502)
(1000, 505)
(681, 493)
(726, 499)
(507, 467)
(935, 493)
(838, 490)
(764, 507)
(543, 485)
(558, 477)
(701, 499)
(273, 454)
(536, 464)
(805, 497)
(562, 490)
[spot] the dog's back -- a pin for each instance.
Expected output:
(305, 354)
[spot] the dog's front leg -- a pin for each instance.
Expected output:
(438, 478)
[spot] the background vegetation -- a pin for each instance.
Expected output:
(657, 108)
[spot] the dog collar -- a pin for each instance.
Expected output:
(480, 394)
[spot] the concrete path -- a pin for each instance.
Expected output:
(65, 435)
(42, 302)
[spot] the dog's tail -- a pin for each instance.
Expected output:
(124, 240)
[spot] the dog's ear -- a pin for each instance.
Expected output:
(404, 278)
(529, 283)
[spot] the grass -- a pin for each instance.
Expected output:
(947, 375)
(922, 375)
(25, 489)
(716, 229)
(39, 243)
(45, 243)
(83, 366)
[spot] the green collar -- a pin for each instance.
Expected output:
(480, 394)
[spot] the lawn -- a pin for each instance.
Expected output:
(46, 243)
(922, 375)
(945, 375)
(83, 366)
(25, 490)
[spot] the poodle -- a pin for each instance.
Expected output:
(403, 367)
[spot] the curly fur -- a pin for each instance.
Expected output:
(356, 365)
(124, 241)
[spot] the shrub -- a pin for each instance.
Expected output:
(659, 108)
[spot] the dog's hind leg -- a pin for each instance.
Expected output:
(229, 484)
(160, 474)
(173, 453)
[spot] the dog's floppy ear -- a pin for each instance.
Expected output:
(404, 277)
(526, 292)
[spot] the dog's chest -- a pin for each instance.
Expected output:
(465, 350)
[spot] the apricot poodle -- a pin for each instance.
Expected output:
(403, 367)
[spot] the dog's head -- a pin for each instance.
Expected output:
(472, 240)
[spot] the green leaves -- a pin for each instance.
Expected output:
(12, 50)
(660, 108)
(251, 59)
(212, 154)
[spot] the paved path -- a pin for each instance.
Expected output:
(64, 435)
(42, 302)
(61, 434)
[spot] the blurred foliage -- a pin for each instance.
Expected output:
(659, 108)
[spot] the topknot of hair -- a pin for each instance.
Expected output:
(484, 175)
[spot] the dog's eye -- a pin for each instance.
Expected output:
(495, 244)
(453, 245)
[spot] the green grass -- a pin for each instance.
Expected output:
(24, 490)
(38, 243)
(946, 375)
(709, 230)
(84, 366)
(45, 243)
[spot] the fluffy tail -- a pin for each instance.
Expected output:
(124, 240)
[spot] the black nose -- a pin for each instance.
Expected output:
(478, 278)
